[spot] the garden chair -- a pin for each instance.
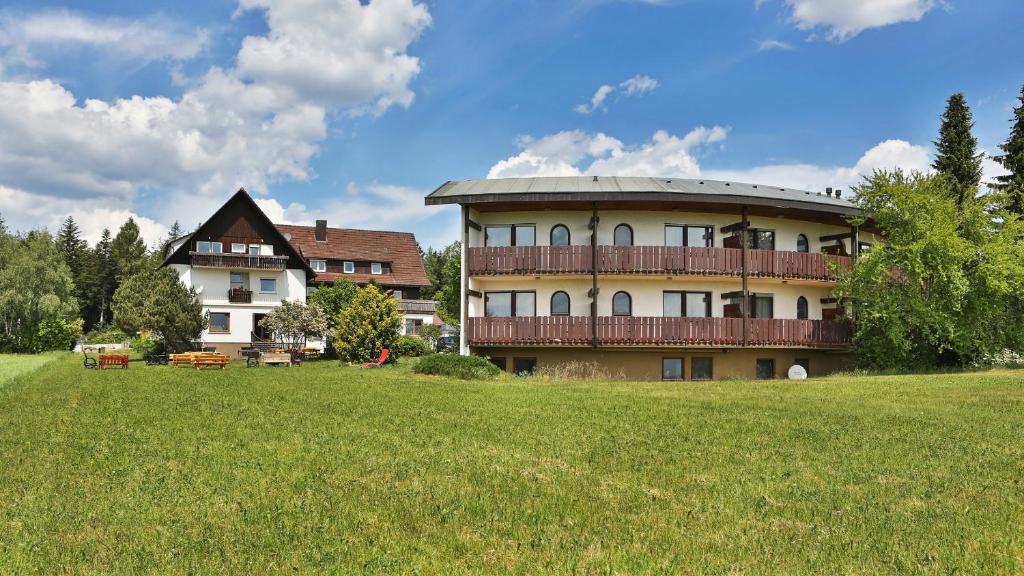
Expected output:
(88, 361)
(380, 361)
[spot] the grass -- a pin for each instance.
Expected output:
(12, 365)
(335, 470)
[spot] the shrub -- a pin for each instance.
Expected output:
(146, 345)
(454, 366)
(367, 326)
(1004, 359)
(577, 370)
(57, 334)
(408, 345)
(106, 334)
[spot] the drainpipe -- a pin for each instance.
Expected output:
(464, 284)
(593, 267)
(744, 259)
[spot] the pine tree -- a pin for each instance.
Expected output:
(3, 226)
(957, 156)
(173, 234)
(106, 277)
(1012, 185)
(75, 252)
(128, 250)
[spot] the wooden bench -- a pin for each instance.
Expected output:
(114, 360)
(277, 358)
(181, 359)
(208, 360)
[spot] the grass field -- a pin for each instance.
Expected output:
(336, 470)
(12, 365)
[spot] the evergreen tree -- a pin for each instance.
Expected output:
(75, 252)
(958, 158)
(1011, 185)
(106, 277)
(3, 225)
(129, 251)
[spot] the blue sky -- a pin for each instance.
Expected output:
(353, 111)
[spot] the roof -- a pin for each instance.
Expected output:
(619, 188)
(397, 248)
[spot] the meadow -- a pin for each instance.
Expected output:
(331, 469)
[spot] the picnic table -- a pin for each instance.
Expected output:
(114, 360)
(310, 353)
(200, 360)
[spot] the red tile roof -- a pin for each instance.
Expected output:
(397, 248)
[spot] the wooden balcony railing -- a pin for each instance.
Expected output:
(407, 306)
(238, 261)
(656, 331)
(240, 296)
(647, 260)
(511, 260)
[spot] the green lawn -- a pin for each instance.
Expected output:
(12, 365)
(336, 470)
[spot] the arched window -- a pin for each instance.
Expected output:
(622, 304)
(802, 245)
(560, 235)
(623, 235)
(559, 304)
(801, 308)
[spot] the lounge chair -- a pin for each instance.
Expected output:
(380, 361)
(88, 361)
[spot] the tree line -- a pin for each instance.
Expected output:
(945, 287)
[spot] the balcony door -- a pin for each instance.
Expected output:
(686, 235)
(686, 304)
(239, 280)
(508, 304)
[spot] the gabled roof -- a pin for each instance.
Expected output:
(397, 248)
(620, 188)
(243, 197)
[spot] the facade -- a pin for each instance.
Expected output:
(654, 278)
(242, 266)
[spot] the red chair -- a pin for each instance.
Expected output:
(380, 361)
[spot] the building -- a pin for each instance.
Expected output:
(243, 265)
(654, 278)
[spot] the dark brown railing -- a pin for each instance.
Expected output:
(416, 306)
(240, 296)
(656, 331)
(238, 261)
(668, 260)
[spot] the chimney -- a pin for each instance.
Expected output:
(828, 191)
(321, 231)
(838, 192)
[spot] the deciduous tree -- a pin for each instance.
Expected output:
(293, 323)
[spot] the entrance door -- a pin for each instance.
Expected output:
(261, 332)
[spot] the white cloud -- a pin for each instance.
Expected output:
(24, 39)
(773, 45)
(251, 125)
(635, 86)
(574, 153)
(844, 19)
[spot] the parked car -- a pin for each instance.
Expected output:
(447, 343)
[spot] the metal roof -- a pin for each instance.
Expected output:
(569, 188)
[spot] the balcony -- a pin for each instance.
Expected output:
(657, 331)
(653, 260)
(406, 306)
(238, 261)
(240, 296)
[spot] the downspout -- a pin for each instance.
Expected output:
(464, 284)
(593, 268)
(745, 306)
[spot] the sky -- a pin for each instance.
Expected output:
(352, 111)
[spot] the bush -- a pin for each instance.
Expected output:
(367, 326)
(106, 334)
(408, 345)
(57, 334)
(454, 366)
(146, 345)
(577, 370)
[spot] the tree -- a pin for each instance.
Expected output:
(106, 278)
(35, 286)
(334, 298)
(370, 324)
(75, 252)
(293, 323)
(1011, 185)
(156, 301)
(128, 249)
(450, 285)
(173, 234)
(941, 287)
(956, 150)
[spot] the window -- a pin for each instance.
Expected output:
(376, 268)
(204, 247)
(560, 236)
(348, 267)
(413, 325)
(268, 285)
(801, 308)
(805, 363)
(622, 304)
(220, 322)
(499, 361)
(760, 239)
(671, 368)
(238, 248)
(318, 265)
(239, 281)
(802, 245)
(697, 236)
(510, 235)
(524, 366)
(623, 235)
(688, 304)
(254, 249)
(266, 249)
(762, 306)
(397, 294)
(701, 368)
(559, 304)
(507, 304)
(765, 368)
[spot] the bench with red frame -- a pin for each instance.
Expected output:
(114, 360)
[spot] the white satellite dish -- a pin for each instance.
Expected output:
(797, 372)
(288, 236)
(199, 289)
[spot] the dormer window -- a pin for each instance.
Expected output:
(376, 268)
(349, 267)
(238, 248)
(254, 249)
(205, 247)
(318, 265)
